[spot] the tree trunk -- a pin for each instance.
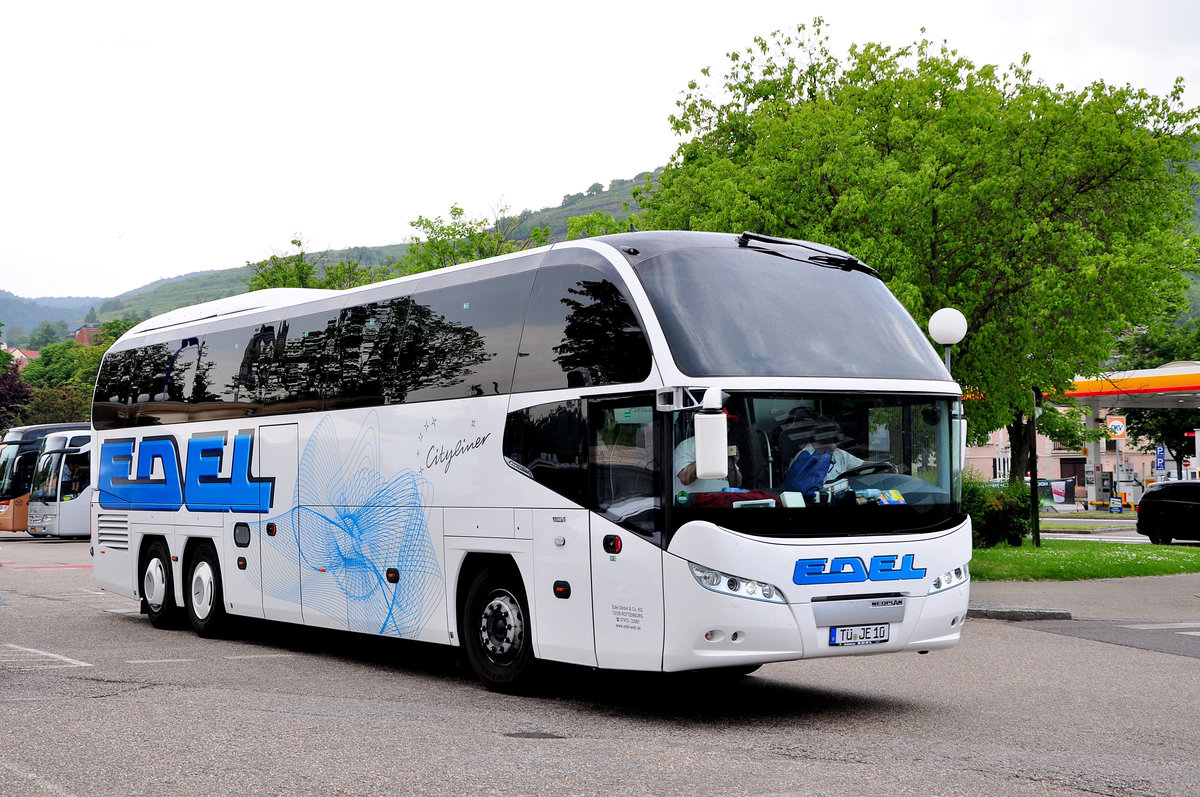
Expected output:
(1020, 445)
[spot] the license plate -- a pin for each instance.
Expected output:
(858, 634)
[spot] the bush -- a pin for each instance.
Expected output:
(998, 514)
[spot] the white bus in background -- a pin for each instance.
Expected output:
(492, 456)
(61, 493)
(19, 452)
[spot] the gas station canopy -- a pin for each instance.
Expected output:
(1174, 385)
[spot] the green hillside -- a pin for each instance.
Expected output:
(204, 286)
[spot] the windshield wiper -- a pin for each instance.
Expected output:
(822, 257)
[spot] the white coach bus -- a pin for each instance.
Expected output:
(61, 495)
(499, 455)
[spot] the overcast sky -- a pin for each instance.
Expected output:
(142, 140)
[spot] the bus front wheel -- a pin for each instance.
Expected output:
(496, 630)
(158, 588)
(203, 595)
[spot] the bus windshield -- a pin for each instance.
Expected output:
(825, 465)
(46, 478)
(748, 312)
(8, 461)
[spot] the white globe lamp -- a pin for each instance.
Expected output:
(947, 326)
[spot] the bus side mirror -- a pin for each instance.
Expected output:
(712, 438)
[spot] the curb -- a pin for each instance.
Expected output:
(989, 610)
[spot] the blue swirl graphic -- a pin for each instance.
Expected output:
(348, 526)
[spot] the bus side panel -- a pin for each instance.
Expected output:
(627, 598)
(562, 618)
(74, 515)
(277, 453)
(240, 557)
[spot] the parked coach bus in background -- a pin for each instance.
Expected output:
(60, 498)
(654, 451)
(19, 453)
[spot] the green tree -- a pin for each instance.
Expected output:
(47, 332)
(57, 365)
(599, 223)
(301, 270)
(1055, 220)
(14, 395)
(442, 243)
(59, 404)
(92, 318)
(1150, 348)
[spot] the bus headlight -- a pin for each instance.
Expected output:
(726, 584)
(950, 579)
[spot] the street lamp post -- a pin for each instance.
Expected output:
(947, 326)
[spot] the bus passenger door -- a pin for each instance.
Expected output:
(627, 592)
(627, 583)
(277, 456)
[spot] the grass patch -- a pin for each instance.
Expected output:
(1076, 560)
(1050, 525)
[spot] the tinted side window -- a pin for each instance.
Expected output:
(546, 444)
(217, 390)
(462, 340)
(304, 371)
(579, 331)
(369, 348)
(155, 381)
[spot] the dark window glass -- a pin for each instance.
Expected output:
(546, 444)
(111, 390)
(258, 376)
(76, 476)
(579, 331)
(743, 312)
(370, 339)
(217, 389)
(144, 386)
(623, 458)
(304, 371)
(462, 340)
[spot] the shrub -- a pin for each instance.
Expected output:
(998, 514)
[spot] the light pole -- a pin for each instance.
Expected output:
(947, 326)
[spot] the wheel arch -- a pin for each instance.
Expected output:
(520, 567)
(143, 556)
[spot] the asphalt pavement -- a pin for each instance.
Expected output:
(1150, 599)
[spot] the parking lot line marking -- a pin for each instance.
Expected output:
(1190, 633)
(157, 661)
(53, 567)
(55, 656)
(1161, 626)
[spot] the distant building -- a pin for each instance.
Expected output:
(85, 334)
(21, 357)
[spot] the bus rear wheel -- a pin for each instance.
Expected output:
(496, 631)
(158, 587)
(203, 596)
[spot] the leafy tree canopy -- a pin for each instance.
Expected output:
(300, 270)
(1055, 220)
(458, 239)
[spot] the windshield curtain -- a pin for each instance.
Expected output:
(745, 312)
(818, 465)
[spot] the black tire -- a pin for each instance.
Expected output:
(496, 631)
(1160, 539)
(158, 587)
(203, 594)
